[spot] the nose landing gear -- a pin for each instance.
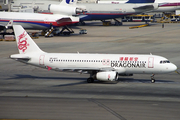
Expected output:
(152, 78)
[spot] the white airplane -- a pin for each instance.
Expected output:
(36, 21)
(39, 21)
(103, 67)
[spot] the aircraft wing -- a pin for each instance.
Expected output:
(67, 20)
(62, 20)
(144, 7)
(87, 69)
(83, 69)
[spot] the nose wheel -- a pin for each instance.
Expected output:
(152, 78)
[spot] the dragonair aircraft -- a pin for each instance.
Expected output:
(103, 67)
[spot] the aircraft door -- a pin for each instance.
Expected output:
(151, 62)
(41, 60)
(46, 20)
(124, 10)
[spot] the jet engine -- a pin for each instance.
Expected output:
(107, 76)
(65, 9)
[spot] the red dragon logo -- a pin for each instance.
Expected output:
(22, 42)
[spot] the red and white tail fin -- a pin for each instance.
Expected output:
(25, 43)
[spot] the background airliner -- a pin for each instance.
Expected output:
(39, 21)
(109, 11)
(36, 21)
(103, 67)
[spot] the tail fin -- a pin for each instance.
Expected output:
(140, 1)
(25, 43)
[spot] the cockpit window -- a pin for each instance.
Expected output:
(164, 61)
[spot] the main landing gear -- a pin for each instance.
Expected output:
(152, 78)
(90, 80)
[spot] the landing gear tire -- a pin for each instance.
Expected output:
(152, 80)
(90, 80)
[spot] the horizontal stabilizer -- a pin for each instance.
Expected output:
(20, 57)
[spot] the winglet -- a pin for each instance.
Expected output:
(140, 1)
(25, 43)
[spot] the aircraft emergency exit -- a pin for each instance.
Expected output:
(103, 67)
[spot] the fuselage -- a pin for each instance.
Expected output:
(164, 5)
(36, 20)
(121, 63)
(103, 67)
(111, 11)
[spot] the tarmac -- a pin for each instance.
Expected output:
(28, 92)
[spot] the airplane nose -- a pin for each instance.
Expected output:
(172, 67)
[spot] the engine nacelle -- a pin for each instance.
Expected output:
(64, 9)
(107, 76)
